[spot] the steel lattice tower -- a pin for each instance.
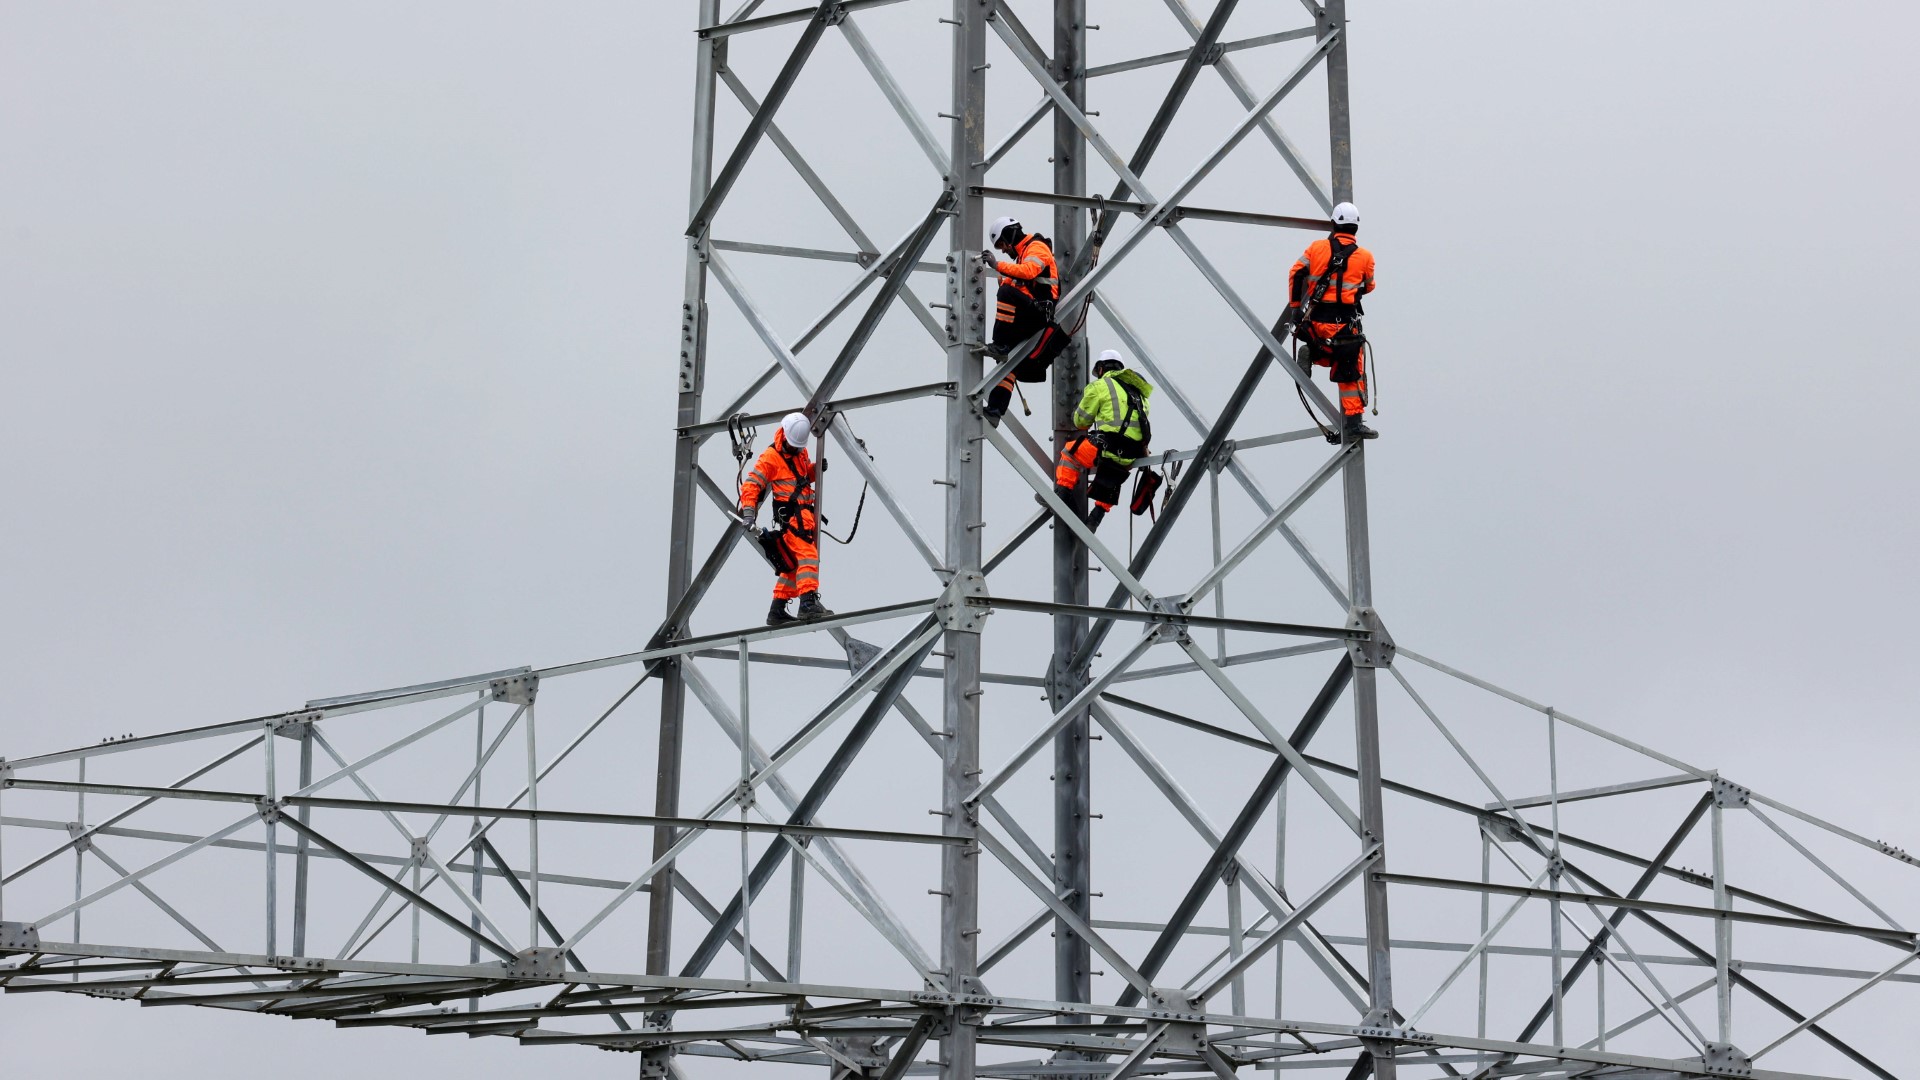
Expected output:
(358, 862)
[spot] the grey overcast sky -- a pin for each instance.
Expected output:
(338, 352)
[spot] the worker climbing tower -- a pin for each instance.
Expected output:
(1021, 809)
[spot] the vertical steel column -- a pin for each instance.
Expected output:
(960, 680)
(1072, 762)
(300, 856)
(691, 381)
(1366, 710)
(273, 845)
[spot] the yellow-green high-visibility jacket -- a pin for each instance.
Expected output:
(1104, 409)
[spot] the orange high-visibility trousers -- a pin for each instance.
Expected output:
(1353, 395)
(806, 575)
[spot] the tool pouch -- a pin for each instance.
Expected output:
(1146, 484)
(775, 549)
(1344, 351)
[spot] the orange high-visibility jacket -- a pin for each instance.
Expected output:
(1357, 282)
(787, 477)
(1033, 265)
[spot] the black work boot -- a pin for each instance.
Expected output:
(777, 614)
(1355, 427)
(1094, 515)
(812, 608)
(997, 401)
(1064, 494)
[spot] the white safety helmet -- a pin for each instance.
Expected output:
(797, 429)
(999, 231)
(1109, 356)
(1346, 214)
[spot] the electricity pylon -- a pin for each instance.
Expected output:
(357, 859)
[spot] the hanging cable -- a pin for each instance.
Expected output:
(859, 507)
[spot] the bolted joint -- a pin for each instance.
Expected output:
(1376, 649)
(515, 689)
(1730, 796)
(964, 606)
(294, 725)
(82, 840)
(270, 809)
(1725, 1059)
(542, 963)
(18, 937)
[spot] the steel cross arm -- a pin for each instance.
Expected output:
(1899, 937)
(153, 897)
(1165, 385)
(1228, 848)
(459, 925)
(840, 405)
(765, 332)
(526, 897)
(158, 864)
(100, 827)
(1218, 575)
(823, 785)
(781, 18)
(1172, 619)
(1225, 47)
(1237, 84)
(723, 181)
(1183, 492)
(1119, 205)
(902, 265)
(1607, 896)
(1234, 660)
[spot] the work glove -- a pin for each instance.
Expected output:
(749, 515)
(989, 260)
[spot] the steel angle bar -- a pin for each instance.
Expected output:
(1247, 709)
(1019, 936)
(877, 914)
(1139, 982)
(1226, 847)
(712, 914)
(1028, 443)
(102, 826)
(1061, 717)
(391, 748)
(1158, 59)
(142, 742)
(840, 405)
(1231, 446)
(1301, 914)
(1141, 1052)
(1517, 699)
(429, 907)
(333, 706)
(146, 871)
(687, 645)
(896, 97)
(154, 898)
(900, 264)
(1178, 213)
(1255, 657)
(1238, 85)
(1764, 819)
(1217, 576)
(1166, 386)
(723, 181)
(1473, 953)
(894, 672)
(1900, 937)
(1019, 132)
(1657, 1011)
(743, 25)
(1881, 847)
(1171, 619)
(864, 897)
(1831, 1009)
(1318, 947)
(1043, 487)
(906, 1049)
(1630, 787)
(765, 332)
(787, 251)
(1240, 307)
(1164, 207)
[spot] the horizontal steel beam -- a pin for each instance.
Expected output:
(1178, 55)
(861, 401)
(1162, 216)
(781, 18)
(1048, 607)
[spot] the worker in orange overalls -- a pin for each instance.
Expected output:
(1324, 290)
(1029, 285)
(784, 474)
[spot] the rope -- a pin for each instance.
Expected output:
(859, 507)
